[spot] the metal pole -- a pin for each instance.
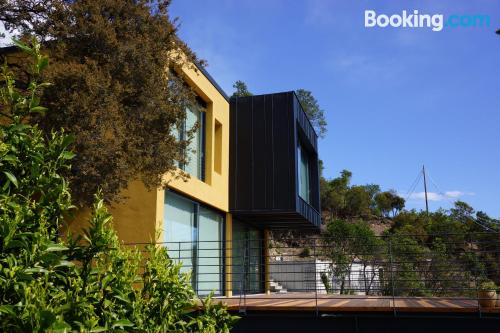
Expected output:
(392, 276)
(315, 276)
(425, 190)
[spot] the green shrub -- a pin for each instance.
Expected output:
(75, 283)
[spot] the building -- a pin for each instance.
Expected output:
(253, 165)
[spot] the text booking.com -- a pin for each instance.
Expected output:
(414, 19)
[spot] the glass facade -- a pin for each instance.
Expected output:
(193, 236)
(247, 259)
(303, 174)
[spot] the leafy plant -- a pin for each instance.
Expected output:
(56, 282)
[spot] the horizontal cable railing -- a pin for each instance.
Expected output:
(393, 270)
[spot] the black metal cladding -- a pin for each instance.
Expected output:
(263, 178)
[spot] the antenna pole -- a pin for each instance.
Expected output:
(425, 189)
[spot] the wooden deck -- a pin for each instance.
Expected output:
(351, 303)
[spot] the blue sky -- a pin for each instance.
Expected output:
(394, 98)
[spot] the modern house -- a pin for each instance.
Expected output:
(253, 165)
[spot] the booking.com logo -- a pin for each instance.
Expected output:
(416, 20)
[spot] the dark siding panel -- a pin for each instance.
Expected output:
(282, 169)
(269, 150)
(232, 154)
(305, 125)
(260, 162)
(244, 147)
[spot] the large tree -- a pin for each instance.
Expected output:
(116, 85)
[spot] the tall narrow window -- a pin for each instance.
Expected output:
(303, 174)
(195, 151)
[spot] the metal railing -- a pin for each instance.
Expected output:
(393, 272)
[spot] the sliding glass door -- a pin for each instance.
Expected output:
(193, 236)
(247, 259)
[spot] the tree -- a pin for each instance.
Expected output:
(314, 112)
(63, 283)
(389, 201)
(358, 201)
(333, 192)
(241, 89)
(347, 242)
(116, 85)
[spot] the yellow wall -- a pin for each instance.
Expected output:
(134, 218)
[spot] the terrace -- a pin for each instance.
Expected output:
(432, 277)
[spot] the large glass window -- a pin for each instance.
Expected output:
(193, 236)
(303, 174)
(209, 251)
(195, 152)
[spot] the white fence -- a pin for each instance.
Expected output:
(305, 276)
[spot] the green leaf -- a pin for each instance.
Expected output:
(67, 155)
(38, 109)
(22, 46)
(36, 270)
(61, 327)
(12, 178)
(65, 263)
(43, 63)
(56, 247)
(68, 139)
(10, 158)
(122, 323)
(9, 309)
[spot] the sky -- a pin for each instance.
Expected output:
(395, 98)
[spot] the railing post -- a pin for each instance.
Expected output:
(392, 276)
(228, 288)
(267, 268)
(475, 273)
(315, 276)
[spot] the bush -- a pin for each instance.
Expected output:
(86, 283)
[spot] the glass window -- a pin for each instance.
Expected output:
(303, 174)
(193, 236)
(180, 229)
(209, 251)
(195, 152)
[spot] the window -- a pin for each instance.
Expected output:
(195, 152)
(218, 147)
(193, 236)
(303, 174)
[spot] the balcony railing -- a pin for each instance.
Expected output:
(443, 273)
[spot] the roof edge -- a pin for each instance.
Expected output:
(212, 81)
